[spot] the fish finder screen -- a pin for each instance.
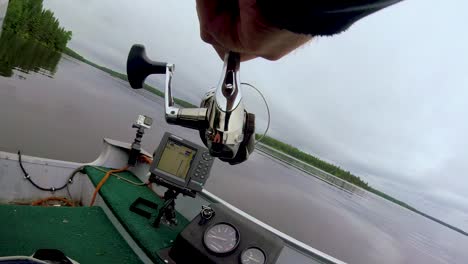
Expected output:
(176, 159)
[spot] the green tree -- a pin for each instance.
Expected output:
(28, 19)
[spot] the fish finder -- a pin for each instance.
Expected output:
(181, 164)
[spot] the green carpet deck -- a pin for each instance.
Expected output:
(84, 234)
(119, 195)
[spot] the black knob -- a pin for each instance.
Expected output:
(139, 66)
(206, 214)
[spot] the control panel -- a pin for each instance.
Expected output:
(219, 235)
(181, 163)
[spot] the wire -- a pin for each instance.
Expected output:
(267, 107)
(104, 179)
(74, 172)
(70, 179)
(72, 175)
(27, 177)
(146, 159)
(121, 178)
(69, 194)
(80, 169)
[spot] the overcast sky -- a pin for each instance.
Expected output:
(385, 100)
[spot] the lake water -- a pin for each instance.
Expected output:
(60, 108)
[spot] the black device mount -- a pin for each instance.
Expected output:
(142, 123)
(167, 211)
(136, 145)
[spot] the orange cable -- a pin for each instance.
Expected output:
(41, 201)
(101, 183)
(146, 159)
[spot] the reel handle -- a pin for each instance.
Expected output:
(139, 66)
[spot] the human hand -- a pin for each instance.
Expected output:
(237, 25)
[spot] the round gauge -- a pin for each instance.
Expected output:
(221, 238)
(253, 255)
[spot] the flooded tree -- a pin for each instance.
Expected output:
(31, 40)
(26, 55)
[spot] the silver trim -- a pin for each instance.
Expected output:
(181, 116)
(171, 111)
(226, 116)
(39, 161)
(228, 93)
(294, 243)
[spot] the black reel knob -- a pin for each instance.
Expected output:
(139, 66)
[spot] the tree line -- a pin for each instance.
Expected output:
(338, 172)
(28, 19)
(314, 161)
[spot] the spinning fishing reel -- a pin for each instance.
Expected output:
(225, 127)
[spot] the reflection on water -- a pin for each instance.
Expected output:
(327, 177)
(25, 55)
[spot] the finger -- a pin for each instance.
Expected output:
(220, 50)
(217, 24)
(284, 43)
(206, 37)
(246, 57)
(224, 31)
(220, 20)
(206, 9)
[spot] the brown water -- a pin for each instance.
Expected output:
(65, 116)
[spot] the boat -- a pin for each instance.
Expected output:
(57, 218)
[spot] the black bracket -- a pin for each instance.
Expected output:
(136, 145)
(168, 209)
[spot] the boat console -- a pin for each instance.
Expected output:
(219, 235)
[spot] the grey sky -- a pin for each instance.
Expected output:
(385, 100)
